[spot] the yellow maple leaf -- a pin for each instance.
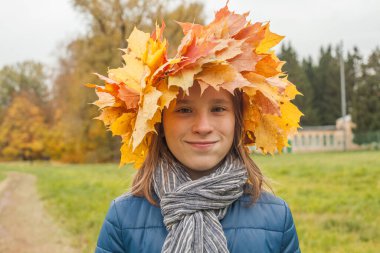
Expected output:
(123, 124)
(291, 91)
(146, 112)
(237, 83)
(290, 117)
(266, 135)
(168, 93)
(136, 156)
(259, 83)
(251, 114)
(137, 42)
(154, 56)
(110, 114)
(216, 74)
(267, 67)
(269, 41)
(131, 74)
(184, 78)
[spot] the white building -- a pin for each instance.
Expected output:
(324, 138)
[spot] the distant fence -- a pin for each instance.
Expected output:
(368, 138)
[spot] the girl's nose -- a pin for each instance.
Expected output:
(202, 123)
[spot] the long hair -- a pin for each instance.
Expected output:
(142, 184)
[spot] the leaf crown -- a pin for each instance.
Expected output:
(229, 53)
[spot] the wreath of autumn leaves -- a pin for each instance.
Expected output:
(229, 53)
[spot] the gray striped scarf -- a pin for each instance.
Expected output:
(192, 209)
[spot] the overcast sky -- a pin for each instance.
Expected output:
(38, 29)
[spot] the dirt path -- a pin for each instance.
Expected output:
(25, 226)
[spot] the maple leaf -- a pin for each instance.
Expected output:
(137, 42)
(266, 105)
(146, 112)
(233, 48)
(238, 82)
(266, 135)
(168, 94)
(250, 33)
(277, 82)
(129, 96)
(122, 124)
(105, 99)
(267, 67)
(106, 79)
(270, 40)
(235, 22)
(109, 115)
(130, 74)
(155, 55)
(290, 91)
(290, 118)
(258, 82)
(216, 74)
(246, 61)
(158, 33)
(184, 78)
(251, 116)
(191, 27)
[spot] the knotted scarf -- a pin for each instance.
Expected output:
(192, 208)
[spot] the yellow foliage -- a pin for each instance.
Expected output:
(23, 132)
(229, 53)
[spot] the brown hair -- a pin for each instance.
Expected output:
(143, 181)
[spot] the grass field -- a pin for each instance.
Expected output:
(334, 197)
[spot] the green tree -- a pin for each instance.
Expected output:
(23, 130)
(353, 72)
(326, 87)
(297, 75)
(366, 101)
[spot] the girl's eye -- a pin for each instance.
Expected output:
(184, 110)
(218, 109)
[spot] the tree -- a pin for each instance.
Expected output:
(353, 72)
(23, 130)
(366, 102)
(28, 76)
(326, 87)
(110, 23)
(297, 75)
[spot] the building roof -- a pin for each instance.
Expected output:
(318, 128)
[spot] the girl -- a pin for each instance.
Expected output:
(186, 123)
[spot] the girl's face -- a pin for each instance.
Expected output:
(199, 130)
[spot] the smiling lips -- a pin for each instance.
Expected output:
(201, 144)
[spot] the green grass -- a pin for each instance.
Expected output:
(334, 197)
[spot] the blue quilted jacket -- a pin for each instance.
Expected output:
(134, 225)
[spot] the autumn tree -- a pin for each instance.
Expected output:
(23, 130)
(28, 77)
(109, 24)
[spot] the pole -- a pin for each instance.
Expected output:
(343, 96)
